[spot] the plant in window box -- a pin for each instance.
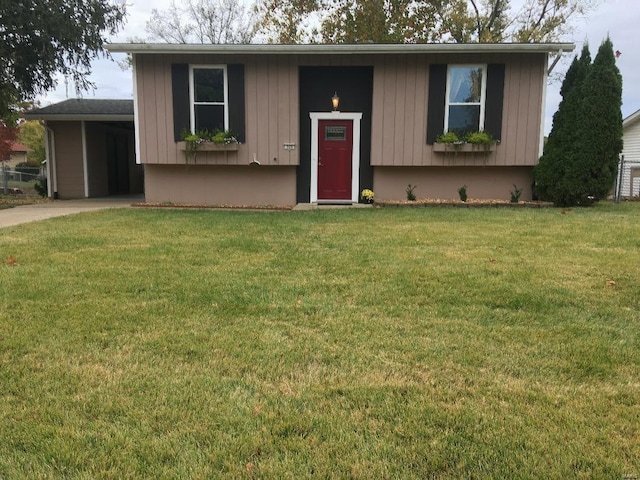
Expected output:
(448, 142)
(367, 195)
(225, 137)
(203, 140)
(480, 138)
(467, 142)
(192, 142)
(450, 137)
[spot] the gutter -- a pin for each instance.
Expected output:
(339, 49)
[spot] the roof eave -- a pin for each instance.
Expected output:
(78, 117)
(340, 49)
(631, 119)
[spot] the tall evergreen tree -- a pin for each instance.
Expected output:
(552, 174)
(580, 160)
(599, 127)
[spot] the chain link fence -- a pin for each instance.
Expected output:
(21, 180)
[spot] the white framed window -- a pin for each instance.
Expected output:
(209, 98)
(465, 98)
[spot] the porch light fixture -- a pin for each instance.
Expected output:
(335, 101)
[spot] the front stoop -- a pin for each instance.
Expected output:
(326, 206)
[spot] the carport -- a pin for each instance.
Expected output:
(90, 147)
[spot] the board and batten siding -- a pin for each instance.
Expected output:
(400, 98)
(399, 108)
(630, 182)
(68, 155)
(271, 99)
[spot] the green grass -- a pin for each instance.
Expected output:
(377, 343)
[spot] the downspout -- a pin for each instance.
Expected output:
(544, 97)
(555, 62)
(136, 116)
(85, 170)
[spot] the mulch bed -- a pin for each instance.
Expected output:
(391, 203)
(203, 206)
(471, 203)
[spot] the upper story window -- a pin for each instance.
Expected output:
(208, 98)
(465, 99)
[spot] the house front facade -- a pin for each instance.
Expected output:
(295, 146)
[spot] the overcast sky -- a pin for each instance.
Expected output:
(620, 19)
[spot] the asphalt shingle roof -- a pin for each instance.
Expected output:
(85, 107)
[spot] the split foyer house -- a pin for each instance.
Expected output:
(295, 146)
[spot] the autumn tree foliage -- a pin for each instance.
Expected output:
(40, 38)
(416, 21)
(31, 134)
(202, 21)
(580, 160)
(8, 135)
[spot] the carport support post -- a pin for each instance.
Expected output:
(5, 178)
(619, 180)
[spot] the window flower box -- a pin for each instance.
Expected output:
(211, 147)
(463, 147)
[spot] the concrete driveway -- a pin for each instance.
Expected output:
(58, 208)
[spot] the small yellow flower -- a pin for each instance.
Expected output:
(367, 194)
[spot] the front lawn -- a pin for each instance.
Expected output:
(368, 343)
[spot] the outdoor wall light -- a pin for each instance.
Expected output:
(335, 101)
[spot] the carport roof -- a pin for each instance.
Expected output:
(89, 109)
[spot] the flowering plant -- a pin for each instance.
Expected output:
(367, 195)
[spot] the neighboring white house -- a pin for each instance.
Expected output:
(630, 171)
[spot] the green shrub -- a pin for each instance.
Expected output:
(40, 186)
(462, 191)
(515, 194)
(410, 195)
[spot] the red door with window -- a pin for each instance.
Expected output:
(335, 154)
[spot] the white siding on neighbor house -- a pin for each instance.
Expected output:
(630, 185)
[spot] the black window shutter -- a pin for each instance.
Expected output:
(235, 73)
(437, 92)
(494, 100)
(180, 89)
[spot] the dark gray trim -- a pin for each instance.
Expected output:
(317, 85)
(437, 101)
(180, 93)
(235, 74)
(494, 100)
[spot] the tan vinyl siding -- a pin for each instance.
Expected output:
(399, 109)
(271, 116)
(68, 159)
(220, 185)
(443, 182)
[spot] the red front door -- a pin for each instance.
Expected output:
(335, 154)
